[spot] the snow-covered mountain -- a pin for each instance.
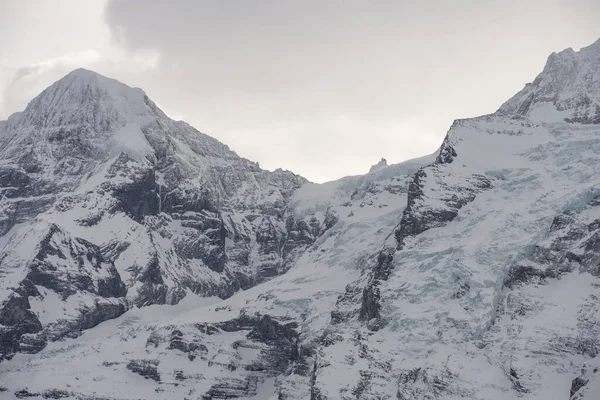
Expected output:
(107, 203)
(142, 259)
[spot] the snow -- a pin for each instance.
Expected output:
(489, 235)
(455, 329)
(90, 351)
(23, 241)
(311, 287)
(4, 240)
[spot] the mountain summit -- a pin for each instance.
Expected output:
(142, 259)
(567, 89)
(107, 203)
(86, 97)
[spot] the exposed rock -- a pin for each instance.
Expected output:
(139, 198)
(192, 348)
(376, 324)
(146, 368)
(384, 265)
(24, 393)
(577, 384)
(55, 394)
(418, 216)
(16, 320)
(447, 152)
(232, 388)
(370, 306)
(519, 274)
(416, 383)
(517, 385)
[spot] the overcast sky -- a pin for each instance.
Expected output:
(322, 88)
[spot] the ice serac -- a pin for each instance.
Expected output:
(471, 274)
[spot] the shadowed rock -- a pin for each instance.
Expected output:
(146, 368)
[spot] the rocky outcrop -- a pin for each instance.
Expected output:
(68, 268)
(139, 198)
(419, 215)
(146, 368)
(577, 384)
(17, 323)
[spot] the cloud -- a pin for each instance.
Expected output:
(322, 88)
(19, 85)
(341, 151)
(28, 81)
(327, 87)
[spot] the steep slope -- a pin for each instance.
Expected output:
(470, 274)
(107, 203)
(492, 290)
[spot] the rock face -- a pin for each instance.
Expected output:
(469, 274)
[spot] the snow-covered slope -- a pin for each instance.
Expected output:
(469, 274)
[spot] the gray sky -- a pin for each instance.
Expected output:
(322, 88)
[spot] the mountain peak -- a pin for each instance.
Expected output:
(87, 99)
(86, 76)
(82, 77)
(84, 73)
(82, 86)
(568, 89)
(85, 118)
(88, 108)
